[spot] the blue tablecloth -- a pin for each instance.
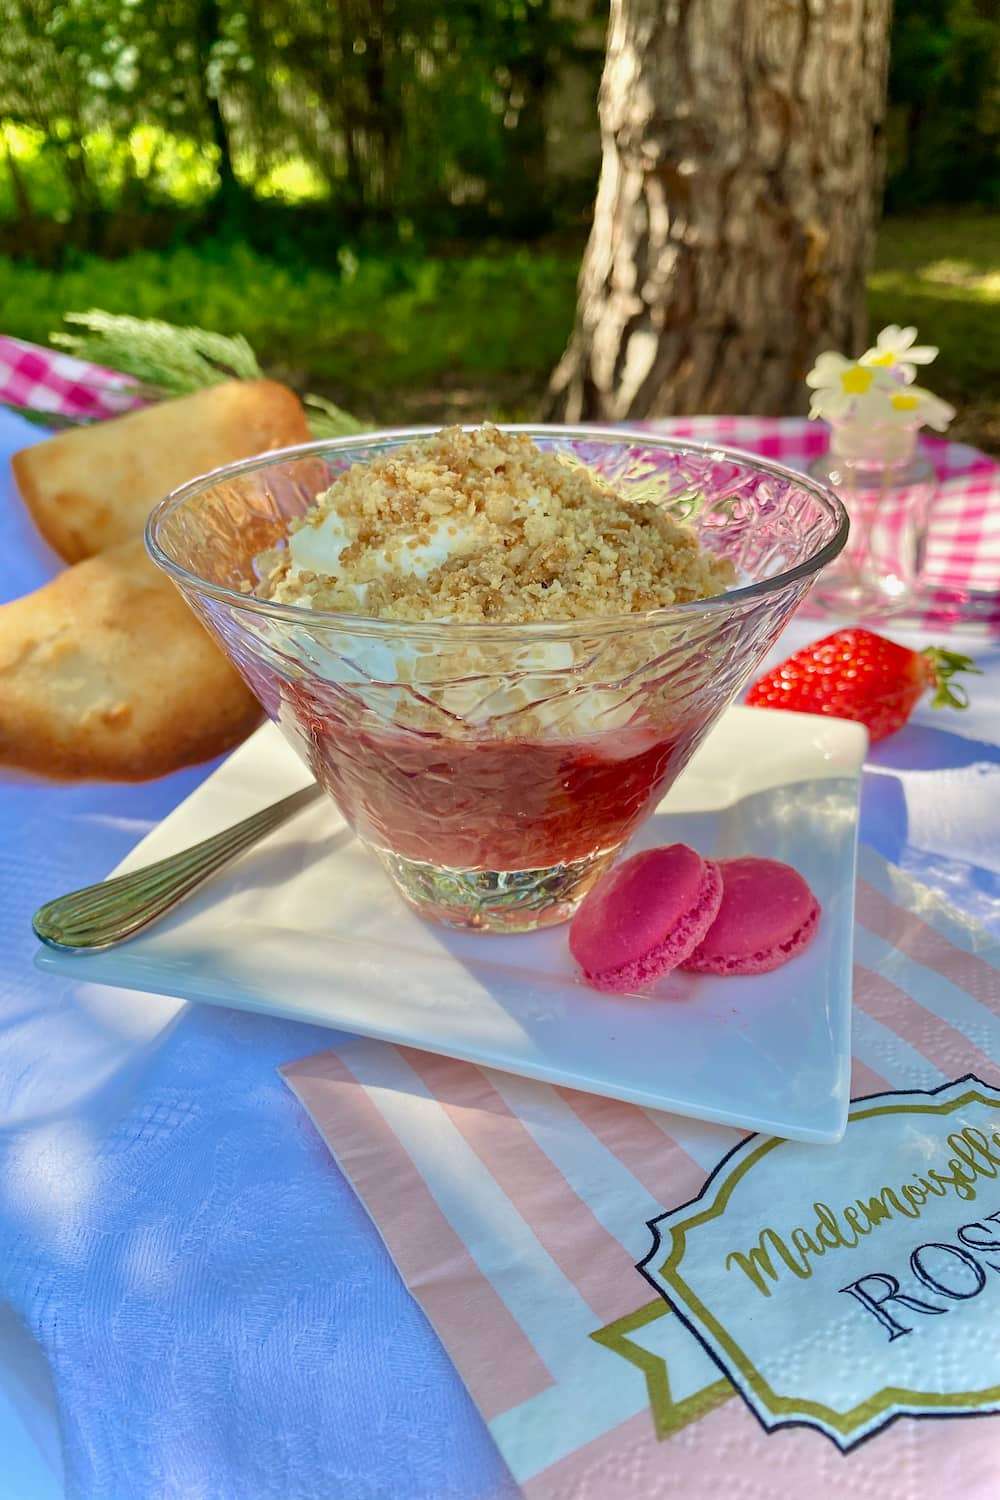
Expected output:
(192, 1301)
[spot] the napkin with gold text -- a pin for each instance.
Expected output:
(647, 1305)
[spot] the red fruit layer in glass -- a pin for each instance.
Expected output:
(490, 804)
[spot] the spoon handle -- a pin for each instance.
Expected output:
(98, 916)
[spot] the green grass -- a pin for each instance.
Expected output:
(364, 332)
(398, 338)
(942, 272)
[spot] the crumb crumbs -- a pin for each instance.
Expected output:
(484, 526)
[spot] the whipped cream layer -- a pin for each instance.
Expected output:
(315, 552)
(542, 687)
(483, 528)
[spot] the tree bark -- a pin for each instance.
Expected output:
(734, 224)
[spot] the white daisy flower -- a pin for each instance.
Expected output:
(877, 390)
(914, 404)
(842, 386)
(894, 349)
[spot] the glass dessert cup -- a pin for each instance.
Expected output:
(496, 770)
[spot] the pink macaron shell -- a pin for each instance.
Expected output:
(767, 916)
(645, 917)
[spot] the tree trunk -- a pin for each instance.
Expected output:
(734, 223)
(207, 33)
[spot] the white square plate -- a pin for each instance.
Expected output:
(307, 925)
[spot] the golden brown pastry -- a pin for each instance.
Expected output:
(105, 672)
(93, 487)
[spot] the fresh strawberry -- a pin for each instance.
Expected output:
(855, 674)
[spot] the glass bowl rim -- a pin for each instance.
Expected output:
(509, 629)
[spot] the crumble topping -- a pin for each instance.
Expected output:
(483, 526)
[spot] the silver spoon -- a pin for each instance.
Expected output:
(98, 916)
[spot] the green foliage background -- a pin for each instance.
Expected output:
(130, 123)
(393, 115)
(389, 198)
(944, 91)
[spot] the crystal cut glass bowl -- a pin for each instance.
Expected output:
(496, 770)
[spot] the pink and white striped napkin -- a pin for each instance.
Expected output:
(517, 1213)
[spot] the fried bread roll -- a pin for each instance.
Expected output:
(105, 672)
(93, 487)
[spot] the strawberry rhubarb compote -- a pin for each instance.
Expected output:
(468, 704)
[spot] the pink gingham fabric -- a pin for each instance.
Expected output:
(963, 547)
(47, 380)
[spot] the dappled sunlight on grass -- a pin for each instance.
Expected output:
(961, 273)
(951, 280)
(912, 244)
(943, 274)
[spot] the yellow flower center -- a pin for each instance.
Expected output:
(885, 360)
(856, 381)
(905, 403)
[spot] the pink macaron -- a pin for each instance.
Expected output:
(645, 917)
(768, 914)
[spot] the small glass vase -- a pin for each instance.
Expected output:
(887, 490)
